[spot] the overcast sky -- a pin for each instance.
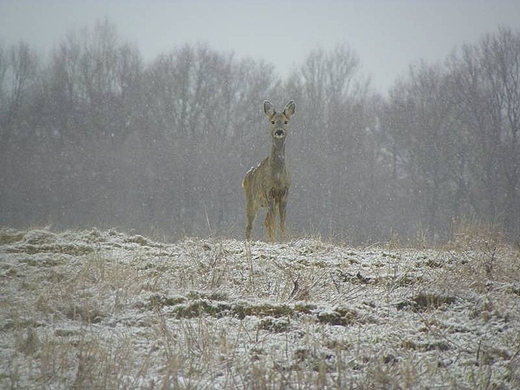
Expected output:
(387, 36)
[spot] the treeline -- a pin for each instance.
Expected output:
(92, 135)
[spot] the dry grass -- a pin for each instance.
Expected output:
(103, 310)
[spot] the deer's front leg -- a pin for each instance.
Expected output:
(281, 207)
(269, 221)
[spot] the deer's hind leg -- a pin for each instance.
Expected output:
(251, 212)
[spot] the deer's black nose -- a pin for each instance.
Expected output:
(279, 133)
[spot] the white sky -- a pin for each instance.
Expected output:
(387, 36)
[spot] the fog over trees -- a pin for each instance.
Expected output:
(92, 135)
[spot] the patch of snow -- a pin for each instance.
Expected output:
(106, 309)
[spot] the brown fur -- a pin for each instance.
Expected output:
(268, 184)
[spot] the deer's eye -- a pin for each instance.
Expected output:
(272, 122)
(286, 122)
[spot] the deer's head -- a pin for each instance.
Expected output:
(279, 121)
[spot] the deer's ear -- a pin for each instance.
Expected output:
(288, 111)
(269, 109)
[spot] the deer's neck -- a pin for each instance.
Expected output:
(277, 156)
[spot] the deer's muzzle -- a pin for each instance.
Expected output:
(279, 133)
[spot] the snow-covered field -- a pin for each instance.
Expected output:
(104, 310)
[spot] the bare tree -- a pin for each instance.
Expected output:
(486, 85)
(337, 150)
(18, 73)
(18, 70)
(199, 103)
(422, 127)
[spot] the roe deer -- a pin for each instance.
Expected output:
(267, 185)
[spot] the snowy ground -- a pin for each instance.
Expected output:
(104, 310)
